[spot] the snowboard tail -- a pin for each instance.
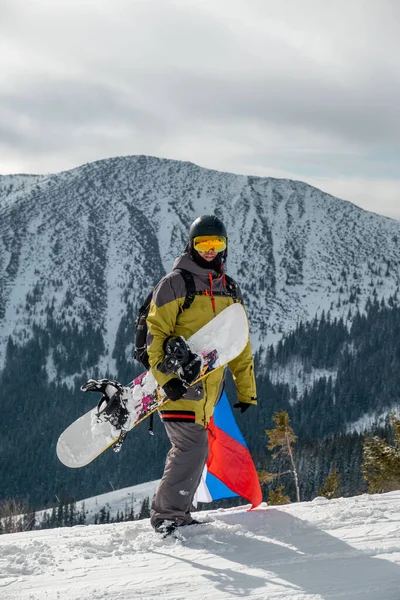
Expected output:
(218, 342)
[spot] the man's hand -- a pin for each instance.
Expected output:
(174, 389)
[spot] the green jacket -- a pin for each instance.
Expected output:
(166, 318)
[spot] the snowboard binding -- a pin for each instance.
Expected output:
(180, 360)
(111, 407)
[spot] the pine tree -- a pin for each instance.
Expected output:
(331, 487)
(104, 516)
(60, 516)
(266, 477)
(11, 515)
(29, 520)
(381, 461)
(281, 439)
(82, 515)
(277, 496)
(144, 512)
(71, 515)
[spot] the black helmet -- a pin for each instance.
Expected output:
(207, 225)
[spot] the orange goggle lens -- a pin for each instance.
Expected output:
(204, 243)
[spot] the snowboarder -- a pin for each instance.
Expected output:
(189, 411)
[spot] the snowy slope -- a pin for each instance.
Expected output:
(345, 549)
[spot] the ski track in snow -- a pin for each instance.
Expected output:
(344, 549)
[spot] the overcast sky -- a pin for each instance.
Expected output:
(306, 89)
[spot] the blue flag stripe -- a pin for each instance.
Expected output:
(217, 488)
(224, 419)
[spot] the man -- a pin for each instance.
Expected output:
(189, 411)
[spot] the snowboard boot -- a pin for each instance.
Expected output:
(168, 527)
(165, 527)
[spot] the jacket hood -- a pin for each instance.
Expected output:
(185, 261)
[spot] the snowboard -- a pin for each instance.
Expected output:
(221, 340)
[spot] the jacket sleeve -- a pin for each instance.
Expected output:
(161, 320)
(242, 369)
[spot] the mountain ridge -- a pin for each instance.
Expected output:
(70, 241)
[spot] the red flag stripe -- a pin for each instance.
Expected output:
(231, 462)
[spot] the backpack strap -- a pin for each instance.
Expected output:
(232, 288)
(190, 288)
(140, 352)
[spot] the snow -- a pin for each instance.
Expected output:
(372, 420)
(295, 375)
(343, 549)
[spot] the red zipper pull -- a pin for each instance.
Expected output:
(211, 292)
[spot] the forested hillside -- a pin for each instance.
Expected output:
(337, 379)
(358, 368)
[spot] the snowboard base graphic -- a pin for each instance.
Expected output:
(221, 340)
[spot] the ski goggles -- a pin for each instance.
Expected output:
(204, 243)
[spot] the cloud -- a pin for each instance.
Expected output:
(310, 89)
(365, 193)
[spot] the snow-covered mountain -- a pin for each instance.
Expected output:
(343, 549)
(80, 249)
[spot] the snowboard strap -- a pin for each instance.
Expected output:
(151, 422)
(122, 437)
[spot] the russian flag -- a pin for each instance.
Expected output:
(230, 470)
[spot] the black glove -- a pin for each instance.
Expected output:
(174, 389)
(243, 406)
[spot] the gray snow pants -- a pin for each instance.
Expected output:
(182, 473)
